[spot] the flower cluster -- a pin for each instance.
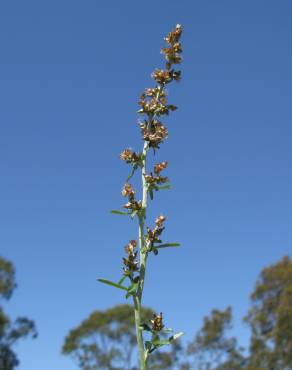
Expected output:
(153, 236)
(156, 105)
(153, 181)
(164, 77)
(129, 156)
(160, 166)
(153, 101)
(132, 204)
(154, 133)
(130, 263)
(172, 53)
(157, 322)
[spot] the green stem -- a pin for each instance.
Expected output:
(143, 260)
(143, 253)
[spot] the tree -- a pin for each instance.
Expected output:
(10, 332)
(270, 321)
(106, 340)
(270, 318)
(211, 348)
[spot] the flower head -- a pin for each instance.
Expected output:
(172, 53)
(129, 156)
(153, 236)
(160, 166)
(130, 262)
(157, 322)
(159, 221)
(154, 133)
(128, 191)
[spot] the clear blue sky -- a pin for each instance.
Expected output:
(71, 73)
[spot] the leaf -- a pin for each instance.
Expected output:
(116, 212)
(161, 342)
(164, 187)
(157, 342)
(151, 193)
(108, 282)
(132, 172)
(122, 280)
(132, 290)
(167, 330)
(167, 245)
(175, 336)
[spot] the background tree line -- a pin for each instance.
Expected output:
(106, 339)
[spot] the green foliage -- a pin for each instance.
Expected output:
(211, 348)
(7, 279)
(270, 321)
(270, 318)
(11, 332)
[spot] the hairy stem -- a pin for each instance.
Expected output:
(143, 259)
(143, 251)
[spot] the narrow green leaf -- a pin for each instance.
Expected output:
(160, 343)
(167, 245)
(164, 187)
(132, 289)
(151, 194)
(122, 280)
(167, 330)
(108, 282)
(116, 212)
(132, 173)
(175, 336)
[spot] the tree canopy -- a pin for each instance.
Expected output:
(10, 331)
(270, 318)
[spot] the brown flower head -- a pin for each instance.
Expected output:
(157, 322)
(160, 166)
(174, 36)
(162, 76)
(128, 191)
(129, 156)
(130, 262)
(154, 102)
(153, 181)
(172, 53)
(153, 236)
(159, 221)
(132, 204)
(155, 134)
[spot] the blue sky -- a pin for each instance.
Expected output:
(71, 73)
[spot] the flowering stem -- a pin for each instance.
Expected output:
(153, 102)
